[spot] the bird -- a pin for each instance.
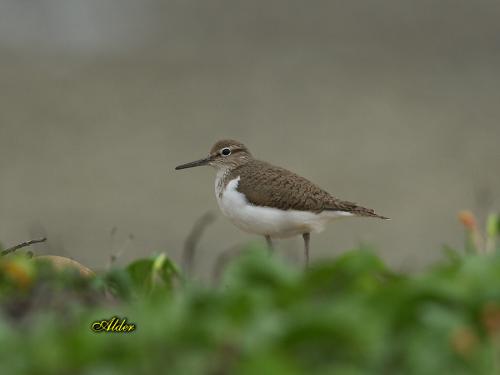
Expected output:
(267, 200)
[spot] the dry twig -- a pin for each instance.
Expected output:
(193, 238)
(113, 257)
(21, 245)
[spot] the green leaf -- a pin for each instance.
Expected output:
(493, 226)
(156, 274)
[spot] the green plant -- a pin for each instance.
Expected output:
(351, 315)
(475, 241)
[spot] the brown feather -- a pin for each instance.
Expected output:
(264, 184)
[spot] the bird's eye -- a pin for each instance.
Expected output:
(226, 152)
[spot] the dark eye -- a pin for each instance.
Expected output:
(226, 152)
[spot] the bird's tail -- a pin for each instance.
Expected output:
(367, 212)
(355, 209)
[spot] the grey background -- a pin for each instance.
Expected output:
(393, 104)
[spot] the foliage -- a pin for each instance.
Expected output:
(346, 316)
(475, 241)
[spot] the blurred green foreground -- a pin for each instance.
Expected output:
(350, 315)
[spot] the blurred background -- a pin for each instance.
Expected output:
(392, 104)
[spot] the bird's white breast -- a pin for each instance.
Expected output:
(267, 220)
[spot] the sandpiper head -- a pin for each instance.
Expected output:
(226, 153)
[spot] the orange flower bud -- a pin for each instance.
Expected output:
(468, 220)
(463, 341)
(18, 274)
(491, 317)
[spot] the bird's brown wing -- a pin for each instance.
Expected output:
(264, 184)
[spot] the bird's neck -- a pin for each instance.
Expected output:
(221, 180)
(224, 175)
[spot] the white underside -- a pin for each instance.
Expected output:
(266, 220)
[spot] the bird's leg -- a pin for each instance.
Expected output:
(269, 244)
(306, 237)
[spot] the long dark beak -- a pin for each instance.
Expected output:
(196, 163)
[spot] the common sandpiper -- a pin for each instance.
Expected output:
(263, 199)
